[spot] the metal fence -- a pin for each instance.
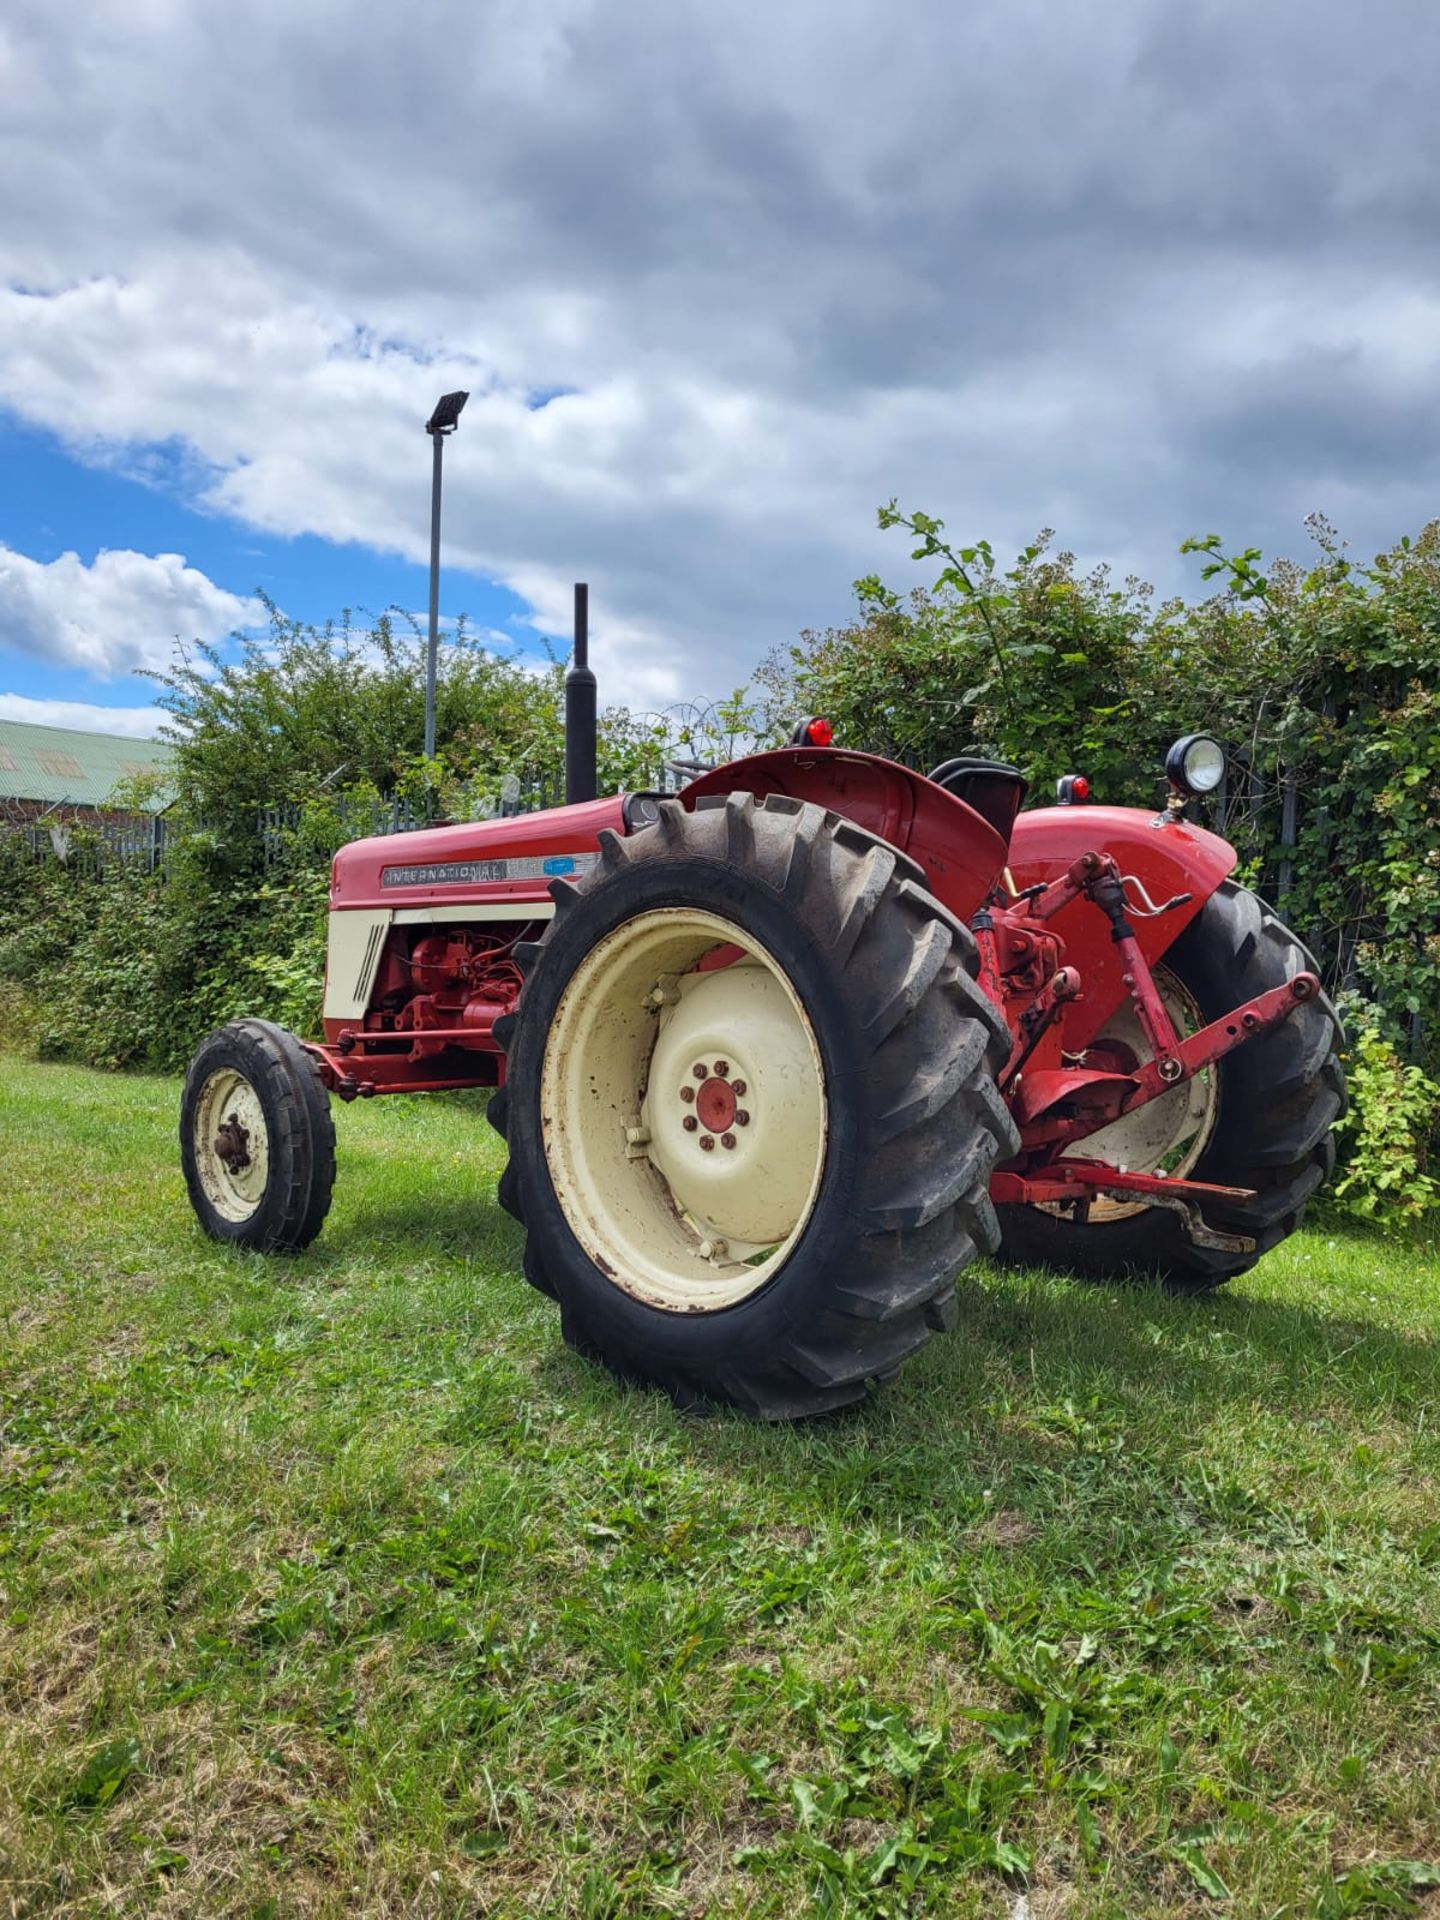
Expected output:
(86, 846)
(151, 841)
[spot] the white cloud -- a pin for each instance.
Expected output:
(136, 723)
(122, 611)
(770, 265)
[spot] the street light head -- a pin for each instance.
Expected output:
(447, 413)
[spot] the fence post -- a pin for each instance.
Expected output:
(1289, 800)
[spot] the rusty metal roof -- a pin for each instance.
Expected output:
(61, 766)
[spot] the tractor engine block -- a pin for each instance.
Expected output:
(452, 978)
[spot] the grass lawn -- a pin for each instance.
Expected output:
(336, 1586)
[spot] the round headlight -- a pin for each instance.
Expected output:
(1195, 764)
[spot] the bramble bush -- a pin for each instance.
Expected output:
(1323, 681)
(1391, 1168)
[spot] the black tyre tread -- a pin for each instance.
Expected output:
(302, 1135)
(1280, 1099)
(943, 1313)
(311, 1188)
(535, 1272)
(507, 1190)
(924, 1079)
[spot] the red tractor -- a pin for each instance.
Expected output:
(778, 1055)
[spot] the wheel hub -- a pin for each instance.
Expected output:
(684, 1111)
(716, 1107)
(732, 1032)
(232, 1145)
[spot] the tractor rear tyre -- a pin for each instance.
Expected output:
(257, 1138)
(1262, 1117)
(751, 1107)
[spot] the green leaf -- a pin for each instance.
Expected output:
(814, 1807)
(1006, 1857)
(105, 1773)
(1413, 1873)
(1202, 1873)
(483, 1843)
(1088, 1828)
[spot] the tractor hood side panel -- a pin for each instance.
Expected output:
(495, 861)
(1167, 860)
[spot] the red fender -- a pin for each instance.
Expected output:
(1167, 859)
(962, 854)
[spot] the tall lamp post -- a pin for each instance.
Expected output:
(443, 420)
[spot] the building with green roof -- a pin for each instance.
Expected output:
(63, 771)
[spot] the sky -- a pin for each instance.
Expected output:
(720, 281)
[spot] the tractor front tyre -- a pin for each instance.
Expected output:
(751, 1107)
(257, 1139)
(1261, 1118)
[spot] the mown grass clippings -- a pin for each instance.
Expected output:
(335, 1585)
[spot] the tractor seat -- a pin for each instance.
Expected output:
(992, 787)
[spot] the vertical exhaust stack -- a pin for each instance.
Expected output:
(580, 708)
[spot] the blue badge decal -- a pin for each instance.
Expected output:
(560, 863)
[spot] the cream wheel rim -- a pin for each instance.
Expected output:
(683, 1110)
(232, 1144)
(1166, 1135)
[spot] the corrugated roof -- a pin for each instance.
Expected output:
(63, 767)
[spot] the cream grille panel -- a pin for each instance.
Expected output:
(369, 961)
(356, 941)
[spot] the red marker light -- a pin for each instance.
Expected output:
(819, 733)
(1080, 787)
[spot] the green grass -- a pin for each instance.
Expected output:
(336, 1586)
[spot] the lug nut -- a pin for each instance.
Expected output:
(707, 1141)
(722, 1067)
(727, 1139)
(739, 1087)
(687, 1094)
(701, 1071)
(742, 1118)
(690, 1123)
